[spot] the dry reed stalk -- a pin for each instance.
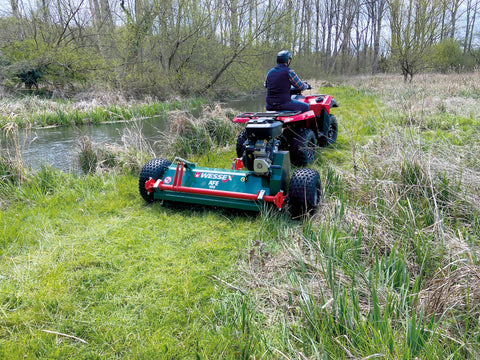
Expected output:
(181, 123)
(15, 148)
(455, 288)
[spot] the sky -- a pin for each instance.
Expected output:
(5, 7)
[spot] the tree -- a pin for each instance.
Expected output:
(15, 8)
(414, 29)
(376, 11)
(189, 46)
(446, 55)
(271, 16)
(471, 13)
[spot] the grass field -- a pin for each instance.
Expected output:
(387, 268)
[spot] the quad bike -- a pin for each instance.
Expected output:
(302, 132)
(267, 179)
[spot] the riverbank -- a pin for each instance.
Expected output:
(86, 109)
(388, 267)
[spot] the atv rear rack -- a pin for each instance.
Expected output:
(283, 116)
(268, 114)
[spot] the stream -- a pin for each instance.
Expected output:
(58, 146)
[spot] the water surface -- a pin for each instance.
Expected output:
(58, 146)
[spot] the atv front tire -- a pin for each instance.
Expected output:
(303, 147)
(154, 169)
(331, 136)
(242, 137)
(304, 193)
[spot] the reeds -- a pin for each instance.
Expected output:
(389, 265)
(32, 111)
(188, 135)
(130, 154)
(12, 167)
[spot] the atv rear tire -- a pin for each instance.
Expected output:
(154, 169)
(303, 147)
(331, 136)
(305, 192)
(242, 137)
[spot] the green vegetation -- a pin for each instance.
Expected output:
(189, 47)
(88, 258)
(387, 268)
(33, 111)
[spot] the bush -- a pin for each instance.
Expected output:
(29, 73)
(446, 55)
(93, 157)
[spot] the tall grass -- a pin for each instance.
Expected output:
(387, 267)
(12, 169)
(129, 155)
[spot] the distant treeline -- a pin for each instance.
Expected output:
(161, 47)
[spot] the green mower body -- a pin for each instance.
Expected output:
(185, 182)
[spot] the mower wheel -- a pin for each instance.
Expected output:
(331, 134)
(303, 147)
(242, 137)
(152, 169)
(305, 192)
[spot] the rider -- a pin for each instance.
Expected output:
(278, 82)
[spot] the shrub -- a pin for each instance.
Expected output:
(446, 55)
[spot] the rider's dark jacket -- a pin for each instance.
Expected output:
(278, 82)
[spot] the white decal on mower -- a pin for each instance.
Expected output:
(214, 176)
(213, 184)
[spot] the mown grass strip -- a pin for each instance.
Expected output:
(92, 261)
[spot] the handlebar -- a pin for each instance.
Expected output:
(295, 91)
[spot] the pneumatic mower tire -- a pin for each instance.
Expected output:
(241, 140)
(152, 169)
(303, 147)
(305, 192)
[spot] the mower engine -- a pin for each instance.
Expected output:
(262, 145)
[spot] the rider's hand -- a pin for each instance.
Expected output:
(309, 87)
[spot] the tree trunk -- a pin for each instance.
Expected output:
(378, 18)
(474, 17)
(15, 8)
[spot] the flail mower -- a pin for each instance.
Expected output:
(267, 178)
(302, 132)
